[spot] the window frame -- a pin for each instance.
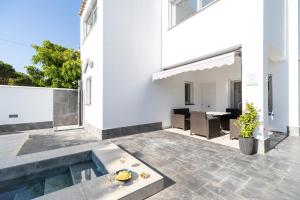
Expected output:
(88, 91)
(91, 15)
(172, 11)
(190, 100)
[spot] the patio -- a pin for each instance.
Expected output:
(198, 169)
(275, 138)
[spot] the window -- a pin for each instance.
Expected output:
(270, 94)
(90, 21)
(189, 93)
(88, 91)
(180, 10)
(236, 94)
(206, 2)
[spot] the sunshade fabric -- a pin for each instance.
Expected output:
(209, 63)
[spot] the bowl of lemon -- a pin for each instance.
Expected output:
(123, 175)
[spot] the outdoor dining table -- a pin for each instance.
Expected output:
(224, 120)
(218, 113)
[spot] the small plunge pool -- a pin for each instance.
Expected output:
(45, 182)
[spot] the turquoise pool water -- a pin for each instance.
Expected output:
(35, 185)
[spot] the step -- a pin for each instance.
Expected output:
(83, 172)
(57, 182)
(29, 192)
(11, 144)
(22, 195)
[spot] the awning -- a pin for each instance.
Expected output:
(209, 63)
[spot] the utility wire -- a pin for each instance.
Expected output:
(15, 43)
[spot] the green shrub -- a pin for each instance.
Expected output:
(248, 122)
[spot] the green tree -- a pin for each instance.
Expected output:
(55, 66)
(6, 71)
(21, 79)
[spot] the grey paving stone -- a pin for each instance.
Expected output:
(197, 169)
(226, 174)
(207, 194)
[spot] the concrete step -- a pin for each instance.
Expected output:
(29, 192)
(83, 172)
(11, 144)
(58, 182)
(22, 195)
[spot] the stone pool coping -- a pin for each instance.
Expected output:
(101, 187)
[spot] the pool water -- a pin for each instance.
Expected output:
(39, 184)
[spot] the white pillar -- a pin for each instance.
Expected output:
(292, 45)
(254, 74)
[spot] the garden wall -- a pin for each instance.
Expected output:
(26, 108)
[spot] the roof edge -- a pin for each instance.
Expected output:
(82, 6)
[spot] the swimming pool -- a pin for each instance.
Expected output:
(78, 172)
(38, 184)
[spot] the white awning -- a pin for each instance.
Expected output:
(209, 63)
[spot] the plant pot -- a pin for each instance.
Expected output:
(246, 145)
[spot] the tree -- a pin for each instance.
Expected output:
(21, 79)
(6, 71)
(55, 66)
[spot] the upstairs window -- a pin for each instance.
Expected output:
(90, 21)
(181, 10)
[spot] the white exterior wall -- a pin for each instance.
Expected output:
(280, 120)
(132, 53)
(129, 38)
(92, 48)
(293, 24)
(276, 36)
(30, 103)
(217, 27)
(224, 24)
(262, 29)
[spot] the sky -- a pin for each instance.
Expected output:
(27, 22)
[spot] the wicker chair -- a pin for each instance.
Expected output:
(234, 131)
(201, 125)
(181, 118)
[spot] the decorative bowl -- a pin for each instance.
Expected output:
(123, 175)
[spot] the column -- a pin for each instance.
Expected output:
(292, 50)
(255, 73)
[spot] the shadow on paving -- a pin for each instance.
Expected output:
(44, 142)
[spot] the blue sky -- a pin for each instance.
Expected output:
(26, 22)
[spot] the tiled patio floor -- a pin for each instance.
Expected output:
(199, 169)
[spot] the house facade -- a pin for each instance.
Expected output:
(141, 59)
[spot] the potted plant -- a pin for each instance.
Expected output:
(247, 123)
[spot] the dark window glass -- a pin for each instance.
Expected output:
(270, 94)
(188, 91)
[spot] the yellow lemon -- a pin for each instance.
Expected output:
(123, 176)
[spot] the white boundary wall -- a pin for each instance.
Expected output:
(31, 104)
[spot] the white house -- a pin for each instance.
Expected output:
(142, 58)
